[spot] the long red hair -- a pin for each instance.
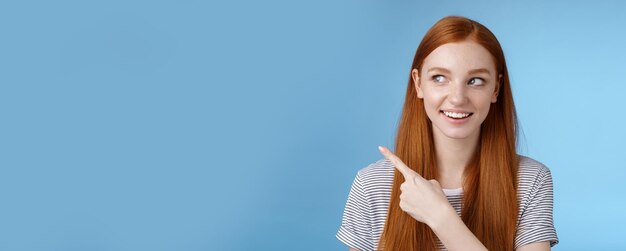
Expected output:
(490, 185)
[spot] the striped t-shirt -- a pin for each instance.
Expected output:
(365, 212)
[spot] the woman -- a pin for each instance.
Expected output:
(455, 181)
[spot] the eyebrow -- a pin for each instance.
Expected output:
(439, 69)
(473, 71)
(481, 70)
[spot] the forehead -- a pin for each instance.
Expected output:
(460, 57)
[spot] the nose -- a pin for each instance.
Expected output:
(457, 95)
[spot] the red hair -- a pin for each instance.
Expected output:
(490, 185)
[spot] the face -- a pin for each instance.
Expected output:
(458, 82)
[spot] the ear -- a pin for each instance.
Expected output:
(416, 80)
(494, 97)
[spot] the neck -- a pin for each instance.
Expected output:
(453, 155)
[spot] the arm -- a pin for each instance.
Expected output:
(461, 236)
(454, 234)
(535, 246)
(438, 214)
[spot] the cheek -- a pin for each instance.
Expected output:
(429, 102)
(484, 102)
(432, 105)
(432, 97)
(480, 98)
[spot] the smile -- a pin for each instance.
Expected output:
(457, 115)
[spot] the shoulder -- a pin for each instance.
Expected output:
(377, 169)
(532, 170)
(534, 181)
(376, 174)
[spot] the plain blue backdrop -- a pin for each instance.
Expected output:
(240, 125)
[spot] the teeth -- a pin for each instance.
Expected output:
(456, 115)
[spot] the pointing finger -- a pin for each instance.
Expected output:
(397, 162)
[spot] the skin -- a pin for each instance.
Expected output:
(461, 77)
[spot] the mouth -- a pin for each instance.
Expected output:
(456, 115)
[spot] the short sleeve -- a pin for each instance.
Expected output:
(356, 228)
(536, 223)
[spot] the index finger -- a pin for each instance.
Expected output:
(407, 172)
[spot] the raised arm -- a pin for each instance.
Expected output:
(438, 214)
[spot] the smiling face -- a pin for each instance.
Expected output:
(458, 82)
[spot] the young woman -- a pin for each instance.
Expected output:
(455, 181)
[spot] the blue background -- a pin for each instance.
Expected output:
(240, 125)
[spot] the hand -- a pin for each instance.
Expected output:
(423, 199)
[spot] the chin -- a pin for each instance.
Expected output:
(457, 134)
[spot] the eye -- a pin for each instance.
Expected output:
(476, 81)
(439, 78)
